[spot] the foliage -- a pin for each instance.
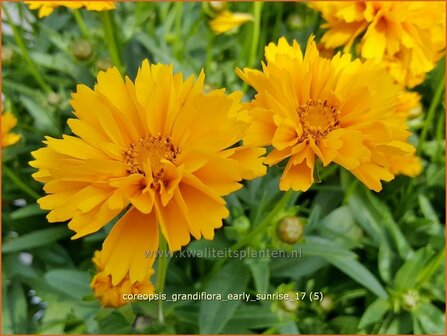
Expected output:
(377, 258)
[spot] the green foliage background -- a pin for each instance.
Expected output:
(379, 259)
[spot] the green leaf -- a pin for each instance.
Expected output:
(345, 324)
(250, 317)
(406, 276)
(385, 260)
(230, 279)
(114, 323)
(376, 219)
(432, 320)
(307, 265)
(72, 283)
(260, 271)
(345, 261)
(289, 328)
(17, 307)
(339, 226)
(313, 245)
(375, 312)
(42, 119)
(27, 211)
(427, 209)
(36, 239)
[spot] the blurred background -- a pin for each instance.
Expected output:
(377, 259)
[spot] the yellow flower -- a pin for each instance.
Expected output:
(116, 295)
(409, 165)
(408, 37)
(8, 123)
(338, 110)
(408, 104)
(159, 149)
(227, 20)
(47, 7)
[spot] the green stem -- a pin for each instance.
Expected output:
(431, 268)
(80, 21)
(431, 111)
(178, 27)
(209, 53)
(111, 40)
(162, 268)
(25, 54)
(257, 10)
(20, 184)
(440, 131)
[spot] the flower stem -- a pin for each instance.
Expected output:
(257, 10)
(80, 21)
(20, 184)
(25, 54)
(162, 268)
(440, 88)
(178, 27)
(111, 40)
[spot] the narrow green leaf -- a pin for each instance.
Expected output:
(432, 320)
(72, 283)
(345, 261)
(261, 273)
(36, 239)
(230, 279)
(407, 275)
(375, 312)
(27, 211)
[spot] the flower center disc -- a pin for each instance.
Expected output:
(317, 118)
(150, 151)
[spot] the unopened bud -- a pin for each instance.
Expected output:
(410, 300)
(218, 6)
(103, 64)
(290, 229)
(327, 303)
(82, 50)
(7, 55)
(290, 305)
(54, 99)
(294, 22)
(242, 224)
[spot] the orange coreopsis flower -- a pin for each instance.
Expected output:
(408, 37)
(116, 295)
(337, 110)
(8, 123)
(160, 150)
(47, 7)
(227, 21)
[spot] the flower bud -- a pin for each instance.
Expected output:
(294, 22)
(290, 230)
(290, 305)
(410, 300)
(218, 6)
(327, 304)
(54, 99)
(242, 224)
(82, 50)
(7, 55)
(103, 64)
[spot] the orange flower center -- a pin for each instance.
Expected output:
(317, 118)
(150, 152)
